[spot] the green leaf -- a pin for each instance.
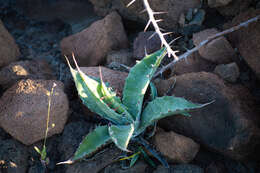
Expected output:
(43, 153)
(147, 158)
(92, 142)
(113, 101)
(37, 150)
(121, 135)
(90, 93)
(134, 159)
(138, 80)
(154, 93)
(165, 106)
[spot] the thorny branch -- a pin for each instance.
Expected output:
(157, 29)
(203, 43)
(154, 22)
(161, 35)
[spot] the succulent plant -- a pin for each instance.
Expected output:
(127, 118)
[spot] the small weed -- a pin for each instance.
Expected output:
(43, 153)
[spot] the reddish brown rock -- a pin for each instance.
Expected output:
(24, 108)
(228, 125)
(193, 63)
(9, 51)
(176, 148)
(174, 9)
(247, 39)
(93, 43)
(16, 71)
(218, 51)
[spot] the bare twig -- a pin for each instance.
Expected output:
(203, 43)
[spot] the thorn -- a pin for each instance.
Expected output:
(74, 59)
(147, 25)
(68, 61)
(100, 76)
(160, 12)
(158, 20)
(144, 10)
(65, 162)
(152, 35)
(145, 51)
(126, 67)
(161, 29)
(130, 3)
(176, 51)
(174, 40)
(167, 33)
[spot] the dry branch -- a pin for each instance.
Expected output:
(161, 35)
(203, 43)
(157, 29)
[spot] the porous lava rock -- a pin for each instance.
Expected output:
(24, 110)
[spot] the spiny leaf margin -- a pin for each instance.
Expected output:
(121, 135)
(90, 93)
(162, 107)
(92, 142)
(138, 80)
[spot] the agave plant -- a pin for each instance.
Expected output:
(127, 118)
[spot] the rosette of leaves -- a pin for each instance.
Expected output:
(127, 118)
